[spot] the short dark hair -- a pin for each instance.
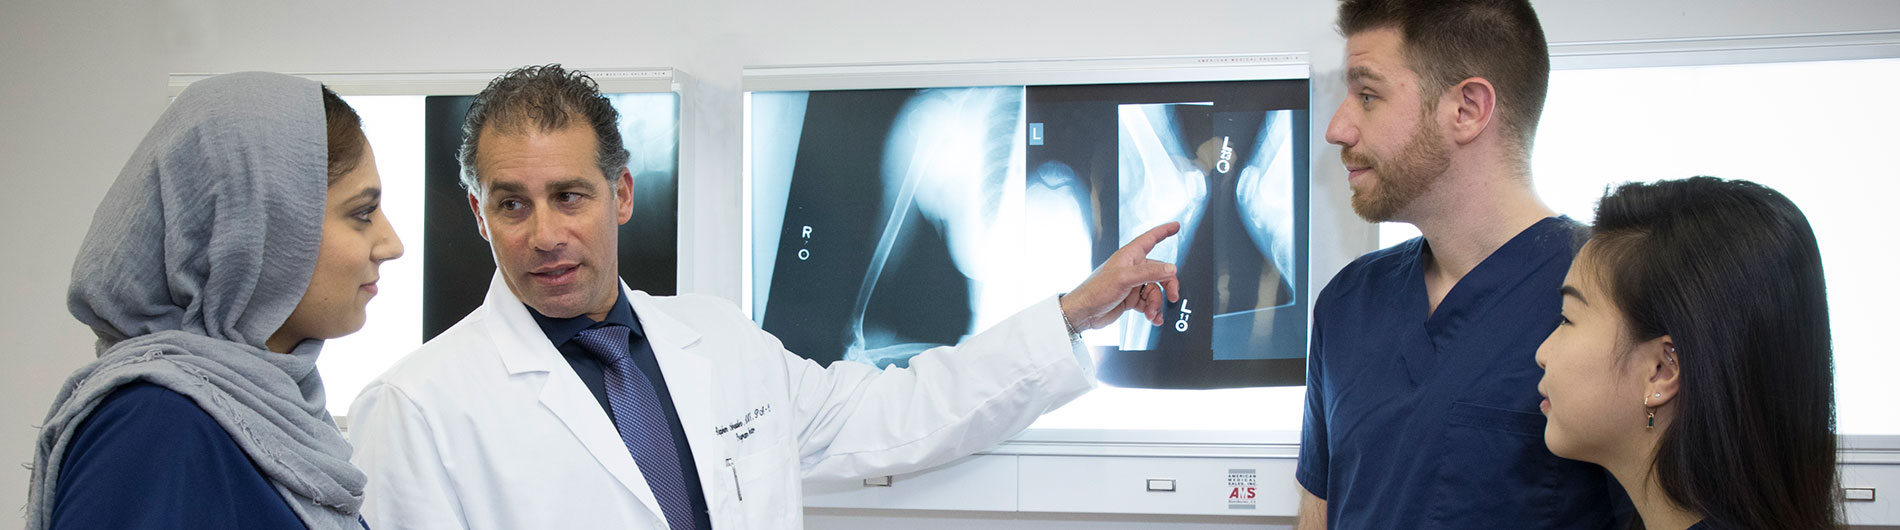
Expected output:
(344, 134)
(545, 97)
(1449, 41)
(1731, 272)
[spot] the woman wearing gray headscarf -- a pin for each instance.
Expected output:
(243, 232)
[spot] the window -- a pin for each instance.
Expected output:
(1821, 132)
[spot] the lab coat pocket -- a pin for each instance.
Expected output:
(763, 485)
(1492, 467)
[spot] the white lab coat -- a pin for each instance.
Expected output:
(487, 427)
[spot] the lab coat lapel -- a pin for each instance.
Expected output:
(525, 350)
(689, 378)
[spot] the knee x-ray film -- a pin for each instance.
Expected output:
(887, 222)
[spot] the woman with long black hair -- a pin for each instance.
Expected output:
(1693, 361)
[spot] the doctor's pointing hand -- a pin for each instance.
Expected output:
(1128, 280)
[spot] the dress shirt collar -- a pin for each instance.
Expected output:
(561, 330)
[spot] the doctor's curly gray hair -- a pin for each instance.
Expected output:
(545, 97)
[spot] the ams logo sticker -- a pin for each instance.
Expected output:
(1242, 488)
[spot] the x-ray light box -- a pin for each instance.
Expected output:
(894, 208)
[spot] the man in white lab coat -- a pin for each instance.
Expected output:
(568, 400)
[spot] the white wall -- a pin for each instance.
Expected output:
(83, 79)
(76, 96)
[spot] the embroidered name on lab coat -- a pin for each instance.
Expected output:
(742, 423)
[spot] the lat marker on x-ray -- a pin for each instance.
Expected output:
(1226, 155)
(1182, 324)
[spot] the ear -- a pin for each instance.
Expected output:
(1663, 366)
(623, 197)
(1476, 103)
(481, 223)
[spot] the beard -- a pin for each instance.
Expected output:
(1420, 163)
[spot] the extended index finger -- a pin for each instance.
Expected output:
(1146, 242)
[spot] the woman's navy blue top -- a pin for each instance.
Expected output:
(150, 458)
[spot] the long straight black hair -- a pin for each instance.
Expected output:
(1730, 270)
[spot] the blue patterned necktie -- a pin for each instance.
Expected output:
(642, 423)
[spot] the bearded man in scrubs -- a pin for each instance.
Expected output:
(1421, 404)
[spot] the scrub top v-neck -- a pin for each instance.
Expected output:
(1429, 419)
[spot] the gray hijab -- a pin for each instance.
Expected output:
(198, 253)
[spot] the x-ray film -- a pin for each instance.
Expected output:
(1191, 163)
(887, 222)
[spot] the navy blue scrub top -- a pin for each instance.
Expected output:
(149, 458)
(1431, 421)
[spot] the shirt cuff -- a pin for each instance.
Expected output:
(1078, 348)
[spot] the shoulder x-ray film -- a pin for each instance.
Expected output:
(887, 222)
